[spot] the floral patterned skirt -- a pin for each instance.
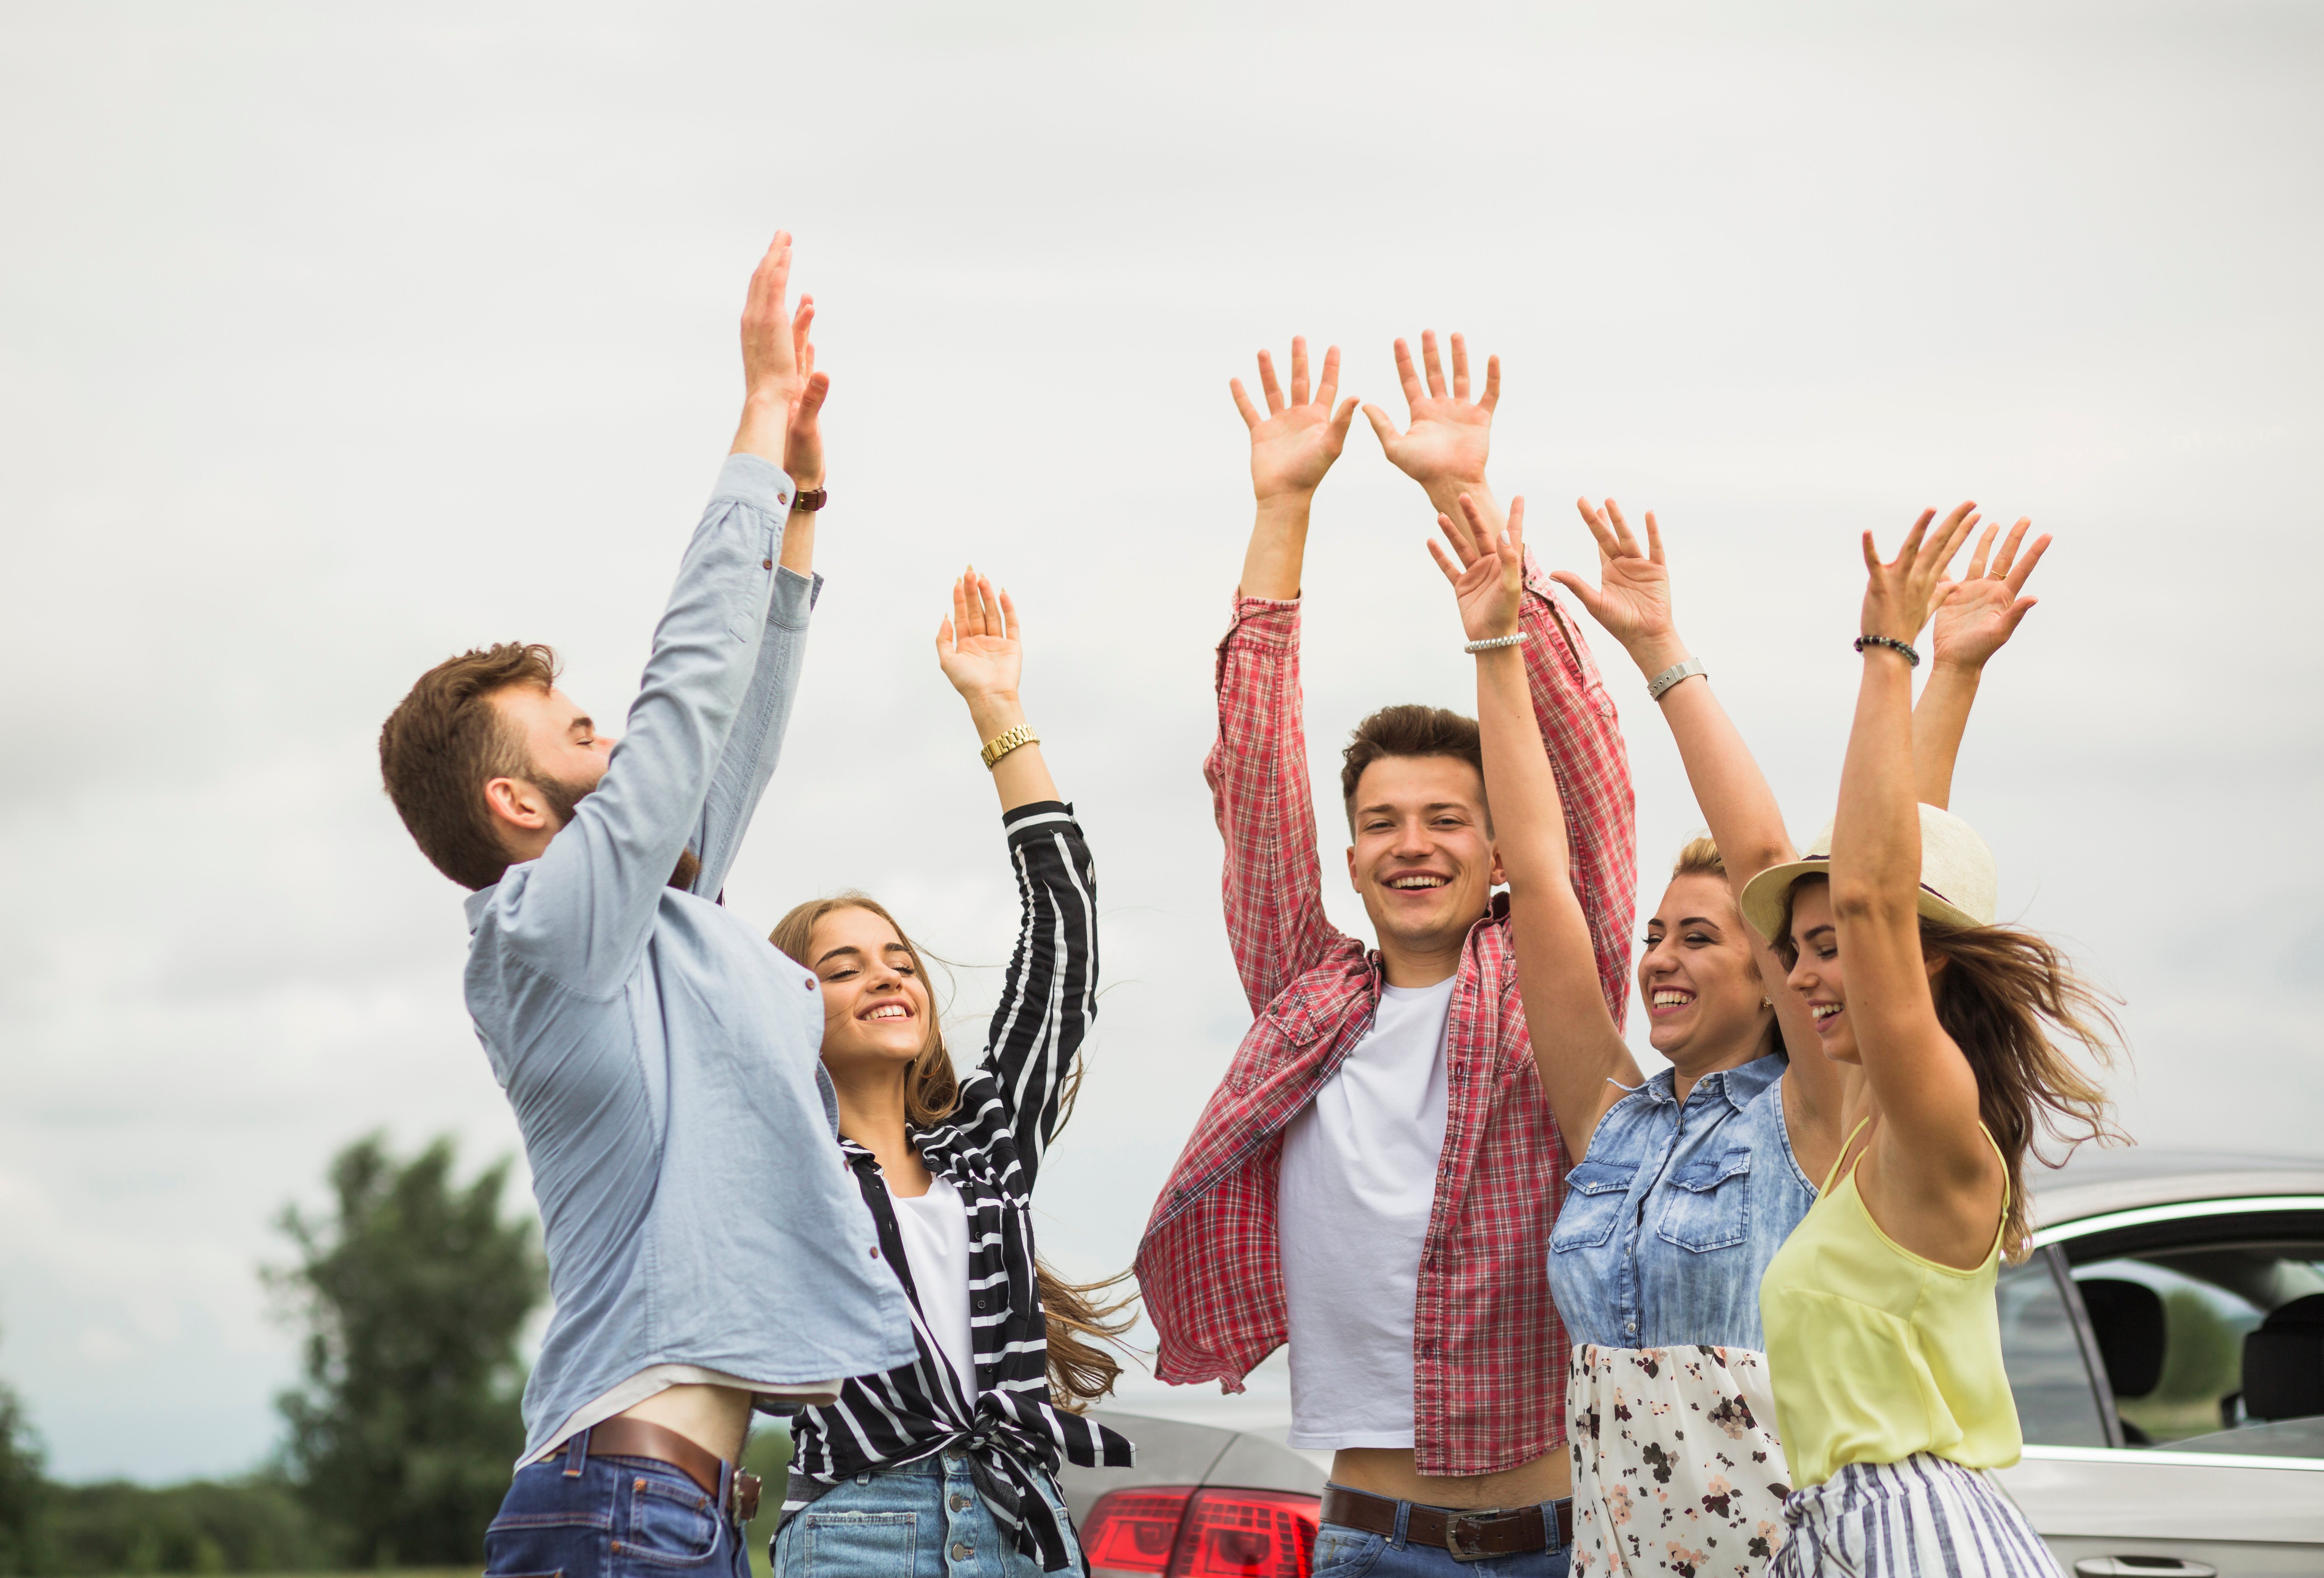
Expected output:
(1676, 1467)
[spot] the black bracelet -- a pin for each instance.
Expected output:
(1912, 659)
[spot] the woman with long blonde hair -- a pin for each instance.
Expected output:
(957, 1451)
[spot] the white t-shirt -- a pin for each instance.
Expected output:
(1359, 1178)
(934, 1231)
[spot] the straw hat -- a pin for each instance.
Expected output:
(1957, 878)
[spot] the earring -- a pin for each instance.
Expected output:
(1766, 1003)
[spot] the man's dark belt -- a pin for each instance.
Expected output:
(1467, 1536)
(637, 1438)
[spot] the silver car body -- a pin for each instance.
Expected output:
(2246, 1502)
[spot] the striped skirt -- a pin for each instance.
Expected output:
(1922, 1516)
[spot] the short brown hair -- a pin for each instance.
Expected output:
(1409, 730)
(445, 742)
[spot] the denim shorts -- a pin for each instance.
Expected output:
(577, 1517)
(1342, 1552)
(915, 1520)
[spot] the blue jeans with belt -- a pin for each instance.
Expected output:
(1342, 1552)
(582, 1517)
(915, 1520)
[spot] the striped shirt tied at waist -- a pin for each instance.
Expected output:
(989, 1151)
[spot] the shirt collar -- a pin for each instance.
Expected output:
(1740, 1086)
(477, 903)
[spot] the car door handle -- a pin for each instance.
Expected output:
(2143, 1567)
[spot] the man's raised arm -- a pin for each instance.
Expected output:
(586, 906)
(1258, 770)
(1443, 449)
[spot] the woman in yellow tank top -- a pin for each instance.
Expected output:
(1884, 1347)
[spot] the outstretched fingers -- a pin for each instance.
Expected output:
(2008, 554)
(1298, 370)
(1443, 560)
(1492, 383)
(1432, 363)
(1599, 532)
(1407, 377)
(1459, 368)
(1461, 535)
(1328, 390)
(1250, 417)
(1625, 541)
(1267, 384)
(2016, 578)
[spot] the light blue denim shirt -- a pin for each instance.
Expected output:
(662, 1058)
(1675, 1212)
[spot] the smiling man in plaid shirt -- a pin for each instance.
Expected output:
(1374, 1179)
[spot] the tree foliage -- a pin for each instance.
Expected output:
(22, 1489)
(414, 1293)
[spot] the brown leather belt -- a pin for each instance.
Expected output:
(638, 1438)
(1467, 1534)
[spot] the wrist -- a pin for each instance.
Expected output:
(1653, 654)
(1445, 493)
(994, 712)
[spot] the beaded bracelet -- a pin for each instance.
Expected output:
(1912, 659)
(1495, 643)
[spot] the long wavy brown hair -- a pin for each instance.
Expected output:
(1080, 1373)
(2009, 996)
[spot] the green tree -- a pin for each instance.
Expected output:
(413, 1292)
(22, 1489)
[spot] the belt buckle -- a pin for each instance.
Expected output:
(1463, 1532)
(743, 1499)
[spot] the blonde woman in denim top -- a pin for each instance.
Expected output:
(1685, 1185)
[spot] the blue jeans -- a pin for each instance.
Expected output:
(1342, 1552)
(580, 1517)
(915, 1520)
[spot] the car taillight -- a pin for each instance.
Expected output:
(1133, 1531)
(1181, 1532)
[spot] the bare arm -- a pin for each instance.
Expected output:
(1975, 616)
(1632, 600)
(1583, 1063)
(1292, 446)
(1934, 1183)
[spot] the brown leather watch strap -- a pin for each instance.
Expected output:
(624, 1437)
(1466, 1533)
(811, 498)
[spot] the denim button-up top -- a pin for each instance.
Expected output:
(1676, 1210)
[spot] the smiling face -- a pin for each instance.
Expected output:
(1422, 858)
(876, 1012)
(1815, 971)
(1700, 979)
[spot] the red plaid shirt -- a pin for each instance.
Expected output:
(1489, 1353)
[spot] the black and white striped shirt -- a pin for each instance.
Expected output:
(991, 1150)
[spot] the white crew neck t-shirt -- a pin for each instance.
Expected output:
(934, 1231)
(1357, 1181)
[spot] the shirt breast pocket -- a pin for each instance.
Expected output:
(1708, 1205)
(1595, 1194)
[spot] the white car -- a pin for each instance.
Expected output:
(2165, 1341)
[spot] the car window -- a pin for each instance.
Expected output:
(2171, 1324)
(2056, 1404)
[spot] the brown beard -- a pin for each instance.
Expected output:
(563, 796)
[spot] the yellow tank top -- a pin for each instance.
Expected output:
(1876, 1353)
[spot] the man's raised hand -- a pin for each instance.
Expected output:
(1981, 610)
(1297, 441)
(1443, 449)
(781, 391)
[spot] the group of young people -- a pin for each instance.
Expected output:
(1543, 1311)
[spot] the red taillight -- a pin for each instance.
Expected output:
(1185, 1533)
(1132, 1531)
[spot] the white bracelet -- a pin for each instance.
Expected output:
(1495, 643)
(1671, 676)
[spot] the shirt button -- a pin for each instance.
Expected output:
(961, 1550)
(875, 1256)
(809, 982)
(960, 1503)
(766, 563)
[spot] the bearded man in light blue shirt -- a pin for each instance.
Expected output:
(707, 1251)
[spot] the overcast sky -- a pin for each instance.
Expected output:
(336, 339)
